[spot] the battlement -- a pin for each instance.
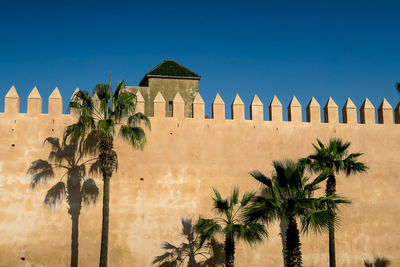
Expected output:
(256, 109)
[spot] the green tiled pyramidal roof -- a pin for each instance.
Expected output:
(171, 68)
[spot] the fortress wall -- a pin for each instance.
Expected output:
(183, 159)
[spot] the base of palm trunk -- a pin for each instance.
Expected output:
(229, 252)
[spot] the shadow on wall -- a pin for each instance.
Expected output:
(189, 253)
(379, 262)
(70, 159)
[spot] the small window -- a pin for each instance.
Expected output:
(170, 106)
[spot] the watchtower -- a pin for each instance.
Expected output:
(169, 77)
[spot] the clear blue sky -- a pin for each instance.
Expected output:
(304, 48)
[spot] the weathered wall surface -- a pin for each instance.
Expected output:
(183, 159)
(168, 87)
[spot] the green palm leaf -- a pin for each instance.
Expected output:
(134, 135)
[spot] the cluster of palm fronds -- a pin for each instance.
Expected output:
(191, 252)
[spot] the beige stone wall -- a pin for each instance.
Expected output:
(183, 159)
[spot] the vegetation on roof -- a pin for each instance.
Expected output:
(172, 68)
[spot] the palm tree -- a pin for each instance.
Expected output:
(100, 115)
(334, 157)
(70, 159)
(231, 224)
(190, 250)
(288, 195)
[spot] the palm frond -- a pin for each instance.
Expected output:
(82, 102)
(352, 166)
(55, 194)
(304, 162)
(321, 145)
(90, 192)
(280, 173)
(207, 228)
(246, 198)
(138, 118)
(333, 201)
(318, 221)
(252, 233)
(217, 194)
(124, 105)
(103, 93)
(314, 185)
(234, 196)
(220, 205)
(261, 178)
(263, 209)
(119, 88)
(134, 135)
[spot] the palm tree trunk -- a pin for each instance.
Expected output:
(229, 251)
(293, 246)
(192, 260)
(105, 222)
(330, 185)
(107, 163)
(330, 190)
(74, 239)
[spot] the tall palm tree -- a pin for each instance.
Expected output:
(334, 157)
(70, 159)
(288, 195)
(101, 115)
(231, 224)
(190, 251)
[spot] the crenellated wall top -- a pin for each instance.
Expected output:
(367, 113)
